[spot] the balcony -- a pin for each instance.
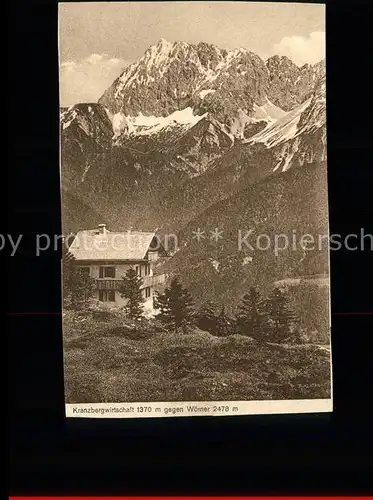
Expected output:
(153, 280)
(115, 284)
(108, 284)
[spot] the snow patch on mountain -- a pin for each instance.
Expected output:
(159, 53)
(149, 125)
(238, 125)
(268, 111)
(204, 93)
(215, 264)
(281, 130)
(120, 123)
(72, 115)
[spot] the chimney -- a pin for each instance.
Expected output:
(102, 228)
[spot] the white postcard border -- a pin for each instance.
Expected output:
(197, 408)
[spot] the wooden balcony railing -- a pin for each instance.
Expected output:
(115, 284)
(158, 279)
(108, 284)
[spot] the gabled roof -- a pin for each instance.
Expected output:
(95, 245)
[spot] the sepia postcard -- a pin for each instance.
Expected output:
(195, 268)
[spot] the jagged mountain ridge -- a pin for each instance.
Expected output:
(146, 155)
(173, 76)
(170, 75)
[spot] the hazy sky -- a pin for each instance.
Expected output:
(97, 40)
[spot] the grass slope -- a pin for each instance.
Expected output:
(109, 361)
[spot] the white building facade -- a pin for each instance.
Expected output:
(106, 256)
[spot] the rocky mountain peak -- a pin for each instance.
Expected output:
(280, 61)
(172, 76)
(290, 85)
(87, 119)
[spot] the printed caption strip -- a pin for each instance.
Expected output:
(190, 409)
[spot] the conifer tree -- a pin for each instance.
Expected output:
(175, 305)
(223, 324)
(131, 290)
(280, 314)
(78, 287)
(83, 288)
(68, 265)
(250, 319)
(206, 317)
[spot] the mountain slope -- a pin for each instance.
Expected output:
(127, 181)
(292, 203)
(86, 132)
(76, 214)
(297, 138)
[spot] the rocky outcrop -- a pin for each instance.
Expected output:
(290, 85)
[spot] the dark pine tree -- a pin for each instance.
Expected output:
(68, 271)
(206, 317)
(223, 324)
(281, 316)
(251, 319)
(175, 305)
(77, 285)
(131, 290)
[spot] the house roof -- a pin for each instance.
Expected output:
(95, 245)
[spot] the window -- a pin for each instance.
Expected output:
(153, 255)
(138, 270)
(147, 269)
(110, 272)
(106, 295)
(107, 272)
(147, 292)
